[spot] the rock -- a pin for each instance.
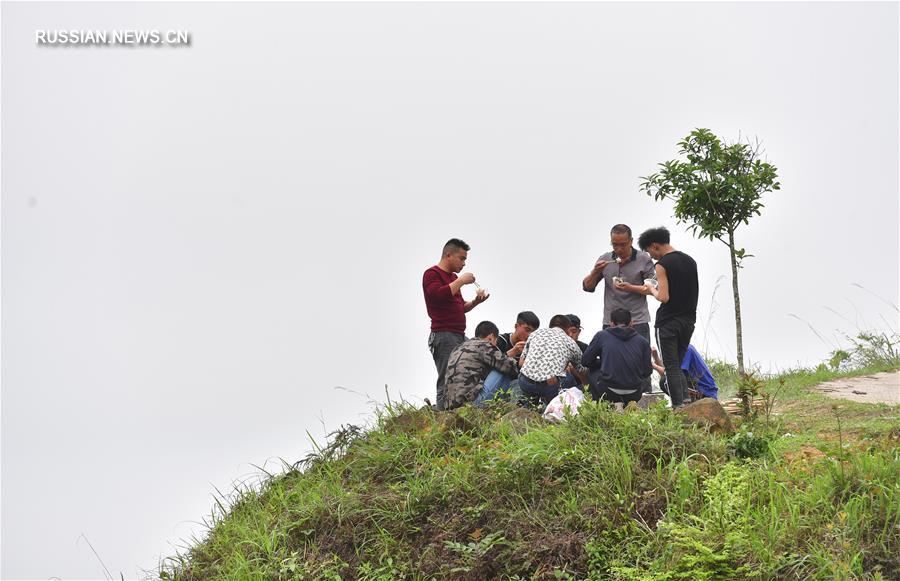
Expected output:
(649, 399)
(520, 419)
(710, 413)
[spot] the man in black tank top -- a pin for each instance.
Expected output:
(675, 318)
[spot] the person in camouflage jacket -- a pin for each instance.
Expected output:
(477, 370)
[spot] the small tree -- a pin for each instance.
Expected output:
(715, 190)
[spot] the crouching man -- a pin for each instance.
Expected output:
(548, 355)
(619, 361)
(477, 371)
(700, 380)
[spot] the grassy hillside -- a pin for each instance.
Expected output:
(811, 490)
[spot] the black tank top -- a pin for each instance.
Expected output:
(681, 271)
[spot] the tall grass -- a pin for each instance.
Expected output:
(604, 495)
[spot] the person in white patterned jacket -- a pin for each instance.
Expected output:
(548, 355)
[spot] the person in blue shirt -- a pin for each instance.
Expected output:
(695, 370)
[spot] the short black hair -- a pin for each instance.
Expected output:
(621, 229)
(653, 236)
(528, 318)
(574, 319)
(486, 328)
(454, 245)
(620, 317)
(561, 322)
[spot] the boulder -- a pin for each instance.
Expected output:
(710, 413)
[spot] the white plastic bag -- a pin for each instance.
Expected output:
(567, 399)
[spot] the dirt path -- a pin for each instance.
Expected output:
(878, 388)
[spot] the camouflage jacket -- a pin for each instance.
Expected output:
(469, 365)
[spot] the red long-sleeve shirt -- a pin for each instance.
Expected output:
(447, 311)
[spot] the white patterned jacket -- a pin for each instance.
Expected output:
(547, 353)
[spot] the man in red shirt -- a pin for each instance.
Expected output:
(447, 308)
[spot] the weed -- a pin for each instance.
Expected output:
(873, 348)
(471, 553)
(840, 458)
(769, 395)
(423, 494)
(838, 357)
(748, 388)
(341, 439)
(745, 444)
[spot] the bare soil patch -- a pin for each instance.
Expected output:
(877, 388)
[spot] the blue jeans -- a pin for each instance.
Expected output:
(494, 384)
(570, 381)
(540, 389)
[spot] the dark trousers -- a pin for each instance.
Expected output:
(692, 385)
(600, 391)
(673, 338)
(643, 329)
(538, 389)
(442, 344)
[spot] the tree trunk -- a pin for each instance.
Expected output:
(737, 304)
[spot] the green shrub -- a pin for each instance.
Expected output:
(749, 444)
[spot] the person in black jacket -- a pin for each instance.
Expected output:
(619, 361)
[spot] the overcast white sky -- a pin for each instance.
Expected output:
(200, 243)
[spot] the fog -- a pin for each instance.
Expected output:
(201, 243)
